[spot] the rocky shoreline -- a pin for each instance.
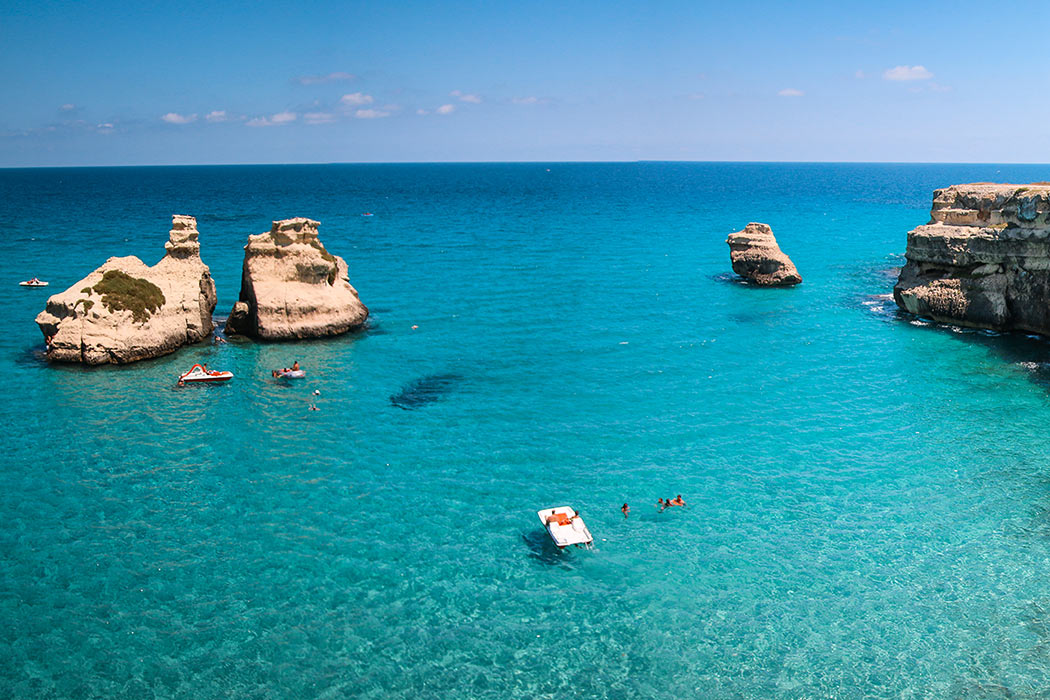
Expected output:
(983, 260)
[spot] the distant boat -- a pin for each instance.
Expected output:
(565, 526)
(33, 283)
(367, 213)
(197, 373)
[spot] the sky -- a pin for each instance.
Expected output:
(152, 83)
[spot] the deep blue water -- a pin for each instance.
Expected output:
(869, 497)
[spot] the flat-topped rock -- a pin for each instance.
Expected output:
(292, 287)
(755, 256)
(983, 260)
(126, 310)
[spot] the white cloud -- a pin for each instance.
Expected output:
(422, 111)
(275, 120)
(105, 128)
(465, 97)
(907, 73)
(791, 92)
(68, 107)
(355, 99)
(446, 109)
(530, 100)
(330, 78)
(318, 118)
(218, 115)
(173, 118)
(371, 114)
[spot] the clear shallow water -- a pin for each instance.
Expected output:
(869, 497)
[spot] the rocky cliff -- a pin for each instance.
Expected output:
(755, 256)
(126, 311)
(983, 260)
(291, 287)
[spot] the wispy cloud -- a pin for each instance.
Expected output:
(900, 73)
(465, 97)
(174, 118)
(355, 99)
(68, 107)
(371, 114)
(791, 92)
(446, 109)
(422, 111)
(530, 100)
(274, 120)
(318, 118)
(218, 115)
(860, 75)
(105, 128)
(330, 78)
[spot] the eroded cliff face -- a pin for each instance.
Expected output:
(126, 310)
(983, 260)
(755, 256)
(291, 287)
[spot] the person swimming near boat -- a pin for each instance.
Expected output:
(678, 501)
(625, 509)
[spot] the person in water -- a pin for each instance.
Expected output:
(625, 509)
(678, 501)
(295, 366)
(660, 503)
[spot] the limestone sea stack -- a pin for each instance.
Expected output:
(291, 287)
(757, 257)
(126, 311)
(983, 260)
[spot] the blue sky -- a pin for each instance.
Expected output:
(114, 83)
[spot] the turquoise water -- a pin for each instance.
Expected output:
(868, 496)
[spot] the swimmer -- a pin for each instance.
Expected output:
(678, 501)
(313, 407)
(317, 392)
(625, 509)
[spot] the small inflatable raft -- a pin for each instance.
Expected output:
(33, 283)
(290, 373)
(565, 526)
(199, 374)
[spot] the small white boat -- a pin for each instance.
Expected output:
(197, 373)
(33, 283)
(565, 526)
(289, 373)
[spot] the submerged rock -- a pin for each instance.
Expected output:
(126, 310)
(983, 260)
(756, 256)
(291, 287)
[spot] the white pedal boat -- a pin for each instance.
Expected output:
(33, 283)
(564, 528)
(199, 374)
(290, 373)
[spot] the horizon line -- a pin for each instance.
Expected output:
(518, 162)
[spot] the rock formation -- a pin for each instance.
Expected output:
(983, 260)
(291, 287)
(757, 257)
(126, 311)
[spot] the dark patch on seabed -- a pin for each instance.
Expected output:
(425, 390)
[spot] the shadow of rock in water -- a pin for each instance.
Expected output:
(423, 391)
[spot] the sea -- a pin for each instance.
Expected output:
(868, 493)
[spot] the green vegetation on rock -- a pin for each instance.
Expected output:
(86, 302)
(120, 291)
